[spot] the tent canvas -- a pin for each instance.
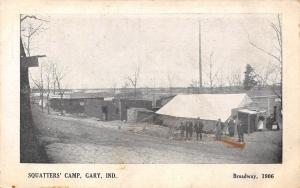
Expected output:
(205, 106)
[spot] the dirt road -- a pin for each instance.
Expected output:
(69, 140)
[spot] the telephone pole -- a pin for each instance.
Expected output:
(200, 63)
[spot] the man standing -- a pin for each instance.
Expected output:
(270, 121)
(200, 124)
(240, 130)
(186, 130)
(231, 127)
(218, 130)
(191, 129)
(182, 128)
(196, 127)
(199, 128)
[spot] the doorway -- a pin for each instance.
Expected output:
(104, 113)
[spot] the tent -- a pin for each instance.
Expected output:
(205, 106)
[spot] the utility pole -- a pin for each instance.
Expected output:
(200, 63)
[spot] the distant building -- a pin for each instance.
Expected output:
(249, 119)
(105, 110)
(100, 105)
(114, 109)
(125, 104)
(271, 104)
(73, 102)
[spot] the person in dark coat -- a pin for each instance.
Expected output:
(201, 125)
(191, 129)
(222, 127)
(198, 128)
(218, 130)
(182, 129)
(186, 130)
(240, 130)
(231, 127)
(270, 121)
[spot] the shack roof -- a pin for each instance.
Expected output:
(247, 111)
(79, 96)
(140, 109)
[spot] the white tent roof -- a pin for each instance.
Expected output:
(251, 111)
(205, 106)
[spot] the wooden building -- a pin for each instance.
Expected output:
(73, 102)
(140, 115)
(105, 110)
(249, 119)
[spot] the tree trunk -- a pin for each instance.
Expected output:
(61, 105)
(42, 100)
(48, 108)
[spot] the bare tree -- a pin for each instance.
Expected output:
(53, 79)
(50, 78)
(234, 77)
(31, 26)
(48, 91)
(170, 83)
(194, 83)
(268, 71)
(31, 32)
(40, 85)
(135, 78)
(45, 88)
(265, 76)
(124, 86)
(23, 17)
(277, 29)
(153, 91)
(220, 78)
(59, 76)
(193, 86)
(114, 88)
(210, 70)
(212, 75)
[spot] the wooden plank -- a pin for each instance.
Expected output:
(31, 61)
(233, 143)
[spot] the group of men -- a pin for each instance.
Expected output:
(188, 127)
(235, 122)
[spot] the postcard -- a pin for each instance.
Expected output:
(150, 94)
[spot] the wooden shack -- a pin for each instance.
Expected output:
(249, 119)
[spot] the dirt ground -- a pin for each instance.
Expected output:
(86, 140)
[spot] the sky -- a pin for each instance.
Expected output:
(102, 51)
